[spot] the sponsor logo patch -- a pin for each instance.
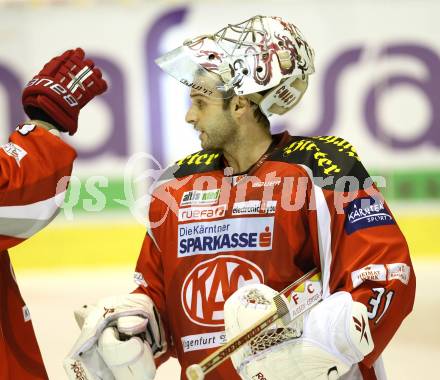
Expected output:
(210, 284)
(200, 197)
(14, 151)
(199, 213)
(366, 212)
(373, 272)
(272, 183)
(379, 272)
(239, 234)
(203, 341)
(254, 207)
(305, 295)
(399, 271)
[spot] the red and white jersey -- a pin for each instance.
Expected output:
(307, 203)
(32, 166)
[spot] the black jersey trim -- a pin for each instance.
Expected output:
(325, 156)
(199, 162)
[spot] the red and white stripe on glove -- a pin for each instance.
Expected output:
(64, 86)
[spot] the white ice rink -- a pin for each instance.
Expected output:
(52, 296)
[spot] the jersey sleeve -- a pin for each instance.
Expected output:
(149, 273)
(32, 165)
(365, 253)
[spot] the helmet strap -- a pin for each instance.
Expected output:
(281, 98)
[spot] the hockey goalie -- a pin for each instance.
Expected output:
(252, 208)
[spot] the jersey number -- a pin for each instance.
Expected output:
(377, 300)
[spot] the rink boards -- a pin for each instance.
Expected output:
(70, 264)
(111, 243)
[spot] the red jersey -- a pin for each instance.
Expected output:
(32, 164)
(307, 203)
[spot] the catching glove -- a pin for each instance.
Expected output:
(64, 86)
(322, 345)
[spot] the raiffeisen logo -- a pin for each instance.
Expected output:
(244, 234)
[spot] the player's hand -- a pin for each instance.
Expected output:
(64, 86)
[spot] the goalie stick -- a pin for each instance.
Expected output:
(297, 306)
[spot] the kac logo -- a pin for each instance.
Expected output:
(210, 284)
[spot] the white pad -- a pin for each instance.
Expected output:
(341, 325)
(130, 315)
(128, 360)
(330, 338)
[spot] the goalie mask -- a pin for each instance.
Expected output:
(265, 59)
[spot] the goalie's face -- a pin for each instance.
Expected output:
(212, 118)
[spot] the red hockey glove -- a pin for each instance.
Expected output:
(64, 86)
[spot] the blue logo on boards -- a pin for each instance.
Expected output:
(366, 212)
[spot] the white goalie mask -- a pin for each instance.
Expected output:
(241, 310)
(265, 59)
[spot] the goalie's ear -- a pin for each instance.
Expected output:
(240, 106)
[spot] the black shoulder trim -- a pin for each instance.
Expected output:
(325, 156)
(199, 162)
